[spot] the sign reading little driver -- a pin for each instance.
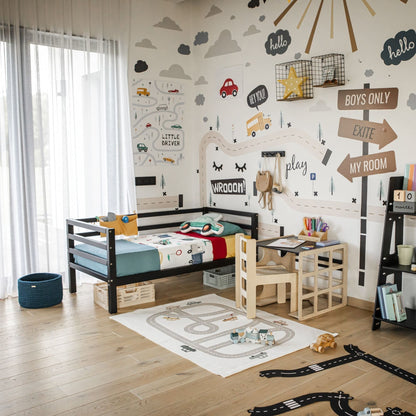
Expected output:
(368, 99)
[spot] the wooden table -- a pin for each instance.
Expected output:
(322, 277)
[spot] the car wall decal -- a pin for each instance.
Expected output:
(257, 123)
(229, 88)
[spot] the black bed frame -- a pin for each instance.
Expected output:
(81, 229)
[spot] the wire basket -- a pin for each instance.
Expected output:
(220, 278)
(328, 70)
(302, 68)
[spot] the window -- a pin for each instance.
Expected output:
(59, 127)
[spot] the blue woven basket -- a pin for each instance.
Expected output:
(40, 290)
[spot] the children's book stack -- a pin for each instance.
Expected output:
(391, 302)
(409, 180)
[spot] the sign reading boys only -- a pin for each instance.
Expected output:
(368, 99)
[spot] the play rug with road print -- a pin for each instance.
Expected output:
(199, 330)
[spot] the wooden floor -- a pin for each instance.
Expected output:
(72, 359)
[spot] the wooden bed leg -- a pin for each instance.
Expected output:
(71, 245)
(72, 280)
(112, 298)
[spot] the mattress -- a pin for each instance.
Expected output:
(140, 254)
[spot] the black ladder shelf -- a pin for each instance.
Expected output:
(393, 222)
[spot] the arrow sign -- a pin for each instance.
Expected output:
(353, 167)
(366, 131)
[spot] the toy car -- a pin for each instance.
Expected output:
(323, 341)
(259, 355)
(371, 412)
(187, 348)
(175, 126)
(162, 107)
(174, 91)
(205, 225)
(148, 125)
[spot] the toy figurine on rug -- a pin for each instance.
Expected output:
(253, 335)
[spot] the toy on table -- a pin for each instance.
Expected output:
(375, 411)
(322, 342)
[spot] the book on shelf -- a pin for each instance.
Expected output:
(381, 302)
(386, 302)
(391, 316)
(409, 180)
(327, 243)
(399, 308)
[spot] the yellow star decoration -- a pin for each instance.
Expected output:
(293, 84)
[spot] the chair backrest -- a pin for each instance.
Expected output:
(245, 256)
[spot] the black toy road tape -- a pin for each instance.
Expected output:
(354, 354)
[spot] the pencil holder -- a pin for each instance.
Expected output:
(313, 235)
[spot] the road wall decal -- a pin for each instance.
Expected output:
(274, 140)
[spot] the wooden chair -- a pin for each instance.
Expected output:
(249, 274)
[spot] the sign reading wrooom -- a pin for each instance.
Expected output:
(229, 186)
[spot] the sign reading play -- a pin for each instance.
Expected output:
(368, 99)
(366, 131)
(353, 167)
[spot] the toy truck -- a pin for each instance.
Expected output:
(323, 341)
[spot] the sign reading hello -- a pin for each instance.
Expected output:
(400, 48)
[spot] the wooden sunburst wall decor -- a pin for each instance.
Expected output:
(318, 13)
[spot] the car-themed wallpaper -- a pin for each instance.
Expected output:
(328, 85)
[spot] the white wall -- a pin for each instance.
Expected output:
(252, 66)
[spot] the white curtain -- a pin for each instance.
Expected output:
(65, 142)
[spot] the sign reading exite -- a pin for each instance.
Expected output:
(366, 131)
(368, 99)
